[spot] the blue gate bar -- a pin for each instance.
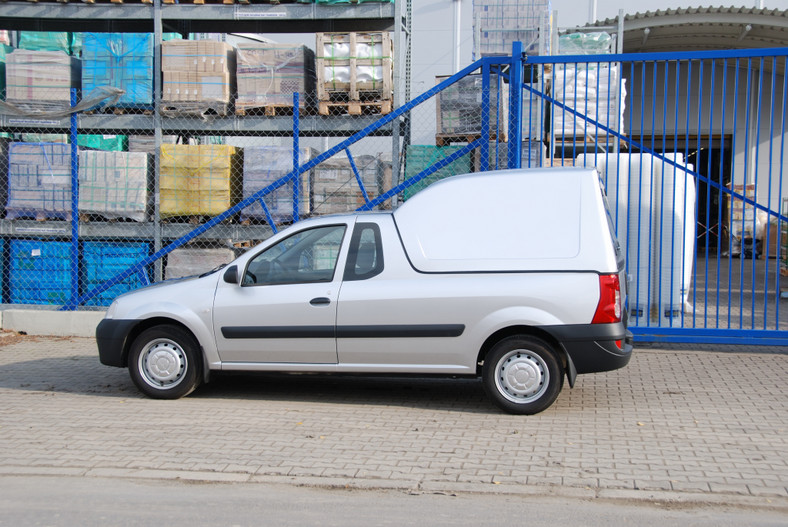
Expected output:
(296, 161)
(358, 175)
(74, 202)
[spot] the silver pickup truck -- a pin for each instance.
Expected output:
(514, 276)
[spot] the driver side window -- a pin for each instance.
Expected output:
(305, 257)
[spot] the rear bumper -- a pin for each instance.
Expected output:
(594, 347)
(111, 336)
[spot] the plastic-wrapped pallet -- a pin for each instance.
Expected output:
(45, 41)
(336, 189)
(39, 180)
(113, 184)
(589, 90)
(39, 272)
(40, 80)
(114, 143)
(199, 180)
(498, 23)
(196, 76)
(264, 165)
(421, 157)
(459, 107)
(188, 261)
(269, 74)
(102, 261)
(352, 63)
(120, 60)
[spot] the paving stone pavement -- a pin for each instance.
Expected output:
(673, 423)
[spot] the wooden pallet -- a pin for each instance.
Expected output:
(354, 107)
(448, 139)
(199, 2)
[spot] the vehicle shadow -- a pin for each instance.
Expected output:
(437, 393)
(85, 375)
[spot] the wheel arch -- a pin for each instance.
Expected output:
(532, 331)
(161, 321)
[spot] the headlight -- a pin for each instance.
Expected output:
(111, 310)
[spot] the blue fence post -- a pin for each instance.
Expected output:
(516, 106)
(74, 206)
(296, 177)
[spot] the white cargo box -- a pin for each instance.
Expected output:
(544, 220)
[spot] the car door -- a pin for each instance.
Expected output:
(284, 308)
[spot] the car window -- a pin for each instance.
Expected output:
(305, 257)
(365, 255)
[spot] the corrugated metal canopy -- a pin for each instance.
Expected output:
(703, 28)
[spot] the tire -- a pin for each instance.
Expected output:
(165, 362)
(522, 375)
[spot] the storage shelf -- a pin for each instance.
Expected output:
(309, 126)
(129, 230)
(190, 18)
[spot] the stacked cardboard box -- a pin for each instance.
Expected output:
(269, 74)
(120, 60)
(354, 66)
(39, 180)
(336, 189)
(264, 165)
(199, 180)
(40, 80)
(459, 107)
(113, 184)
(498, 23)
(196, 76)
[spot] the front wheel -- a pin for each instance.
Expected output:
(522, 375)
(164, 362)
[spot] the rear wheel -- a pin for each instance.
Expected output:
(522, 375)
(164, 362)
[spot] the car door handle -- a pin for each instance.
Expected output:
(320, 301)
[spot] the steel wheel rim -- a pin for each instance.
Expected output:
(521, 376)
(162, 364)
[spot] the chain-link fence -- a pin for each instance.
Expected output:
(145, 186)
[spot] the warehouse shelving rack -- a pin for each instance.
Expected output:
(190, 18)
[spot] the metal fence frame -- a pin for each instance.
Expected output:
(511, 70)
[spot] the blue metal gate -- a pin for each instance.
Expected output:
(691, 147)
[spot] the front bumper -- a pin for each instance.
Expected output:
(593, 347)
(111, 338)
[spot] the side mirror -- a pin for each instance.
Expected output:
(231, 275)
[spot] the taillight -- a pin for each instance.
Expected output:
(608, 310)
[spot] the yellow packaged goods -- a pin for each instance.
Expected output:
(199, 180)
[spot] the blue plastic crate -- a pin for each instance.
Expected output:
(102, 261)
(39, 272)
(120, 60)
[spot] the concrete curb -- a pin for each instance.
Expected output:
(51, 323)
(415, 487)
